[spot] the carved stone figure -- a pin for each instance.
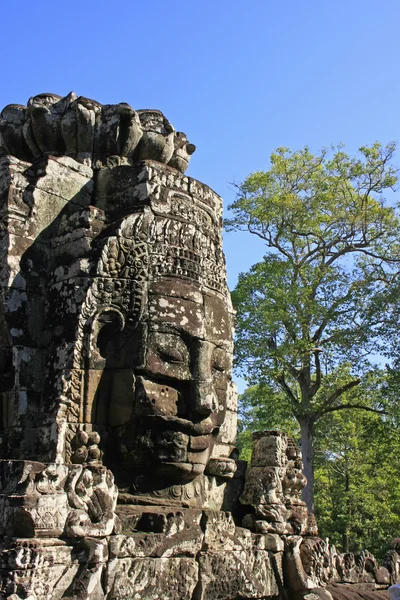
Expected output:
(274, 483)
(125, 275)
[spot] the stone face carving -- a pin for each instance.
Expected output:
(310, 565)
(125, 276)
(118, 471)
(115, 341)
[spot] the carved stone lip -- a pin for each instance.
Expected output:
(204, 428)
(199, 443)
(190, 469)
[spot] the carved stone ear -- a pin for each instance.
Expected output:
(107, 325)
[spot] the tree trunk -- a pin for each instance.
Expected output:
(348, 509)
(307, 449)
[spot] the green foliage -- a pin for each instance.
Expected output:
(332, 243)
(312, 312)
(305, 196)
(356, 480)
(263, 407)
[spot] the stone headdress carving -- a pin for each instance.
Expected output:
(90, 132)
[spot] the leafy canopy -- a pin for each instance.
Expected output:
(357, 464)
(303, 312)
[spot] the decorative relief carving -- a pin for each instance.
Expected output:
(92, 497)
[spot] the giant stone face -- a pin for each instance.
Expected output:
(169, 421)
(181, 392)
(115, 318)
(115, 360)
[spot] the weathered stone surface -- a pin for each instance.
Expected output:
(316, 594)
(236, 574)
(90, 132)
(152, 578)
(157, 519)
(157, 545)
(115, 344)
(41, 568)
(273, 542)
(269, 449)
(177, 237)
(274, 487)
(352, 592)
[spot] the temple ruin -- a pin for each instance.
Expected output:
(119, 476)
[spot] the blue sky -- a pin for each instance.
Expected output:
(240, 78)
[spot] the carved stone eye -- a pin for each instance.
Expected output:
(172, 355)
(218, 367)
(219, 361)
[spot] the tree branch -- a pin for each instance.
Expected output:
(346, 406)
(317, 383)
(280, 379)
(336, 394)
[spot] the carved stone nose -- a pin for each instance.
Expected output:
(205, 401)
(204, 398)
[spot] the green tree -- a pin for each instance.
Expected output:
(356, 480)
(263, 407)
(332, 245)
